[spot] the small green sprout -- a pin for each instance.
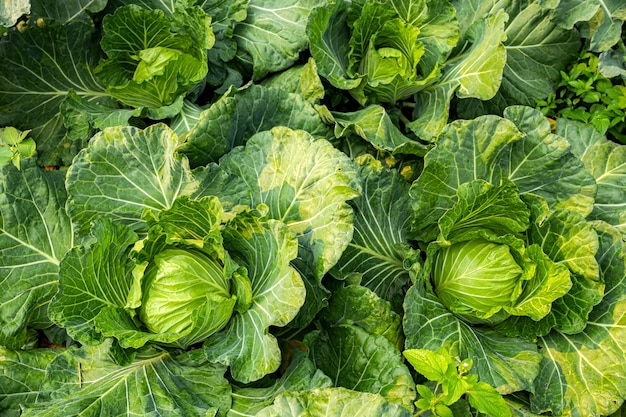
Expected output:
(14, 145)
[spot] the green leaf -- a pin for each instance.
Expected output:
(82, 118)
(273, 34)
(541, 155)
(606, 162)
(329, 39)
(35, 234)
(304, 183)
(125, 170)
(476, 72)
(379, 251)
(531, 37)
(301, 375)
(432, 365)
(605, 19)
(360, 361)
(326, 402)
(238, 115)
(154, 59)
(67, 11)
(509, 364)
(360, 306)
(299, 79)
(586, 372)
(91, 278)
(485, 399)
(48, 60)
(374, 125)
(23, 377)
(86, 382)
(519, 148)
(465, 151)
(265, 249)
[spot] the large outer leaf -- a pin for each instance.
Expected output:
(329, 38)
(35, 234)
(465, 151)
(536, 50)
(606, 161)
(585, 374)
(360, 361)
(93, 278)
(374, 125)
(38, 67)
(301, 375)
(476, 72)
(542, 163)
(67, 10)
(506, 363)
(273, 34)
(605, 19)
(518, 147)
(236, 116)
(265, 250)
(379, 251)
(567, 239)
(332, 402)
(22, 377)
(85, 382)
(125, 170)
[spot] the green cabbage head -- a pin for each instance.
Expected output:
(477, 279)
(186, 292)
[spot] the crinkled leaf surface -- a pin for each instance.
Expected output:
(125, 170)
(38, 67)
(536, 50)
(358, 305)
(509, 364)
(237, 116)
(22, 378)
(301, 375)
(606, 162)
(304, 183)
(542, 163)
(332, 402)
(66, 11)
(476, 72)
(154, 59)
(273, 34)
(585, 373)
(518, 147)
(329, 37)
(360, 361)
(605, 19)
(92, 278)
(374, 125)
(82, 118)
(35, 234)
(379, 251)
(265, 249)
(86, 382)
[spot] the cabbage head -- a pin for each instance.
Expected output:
(476, 279)
(185, 292)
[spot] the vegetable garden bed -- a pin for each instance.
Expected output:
(305, 207)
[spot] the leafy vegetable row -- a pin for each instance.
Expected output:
(270, 208)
